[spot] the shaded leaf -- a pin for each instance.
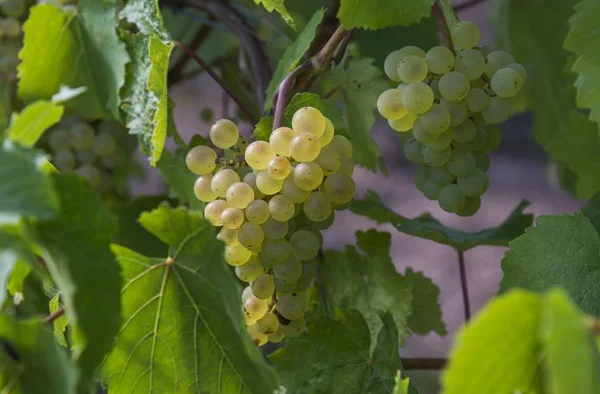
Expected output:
(60, 323)
(426, 313)
(175, 173)
(27, 127)
(592, 211)
(279, 7)
(402, 385)
(362, 13)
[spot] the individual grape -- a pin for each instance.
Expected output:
(328, 160)
(472, 205)
(229, 236)
(239, 195)
(318, 207)
(257, 212)
(346, 166)
(308, 176)
(474, 184)
(224, 134)
(269, 324)
(82, 136)
(114, 160)
(275, 251)
(441, 176)
(305, 147)
(58, 140)
(281, 140)
(277, 336)
(279, 168)
(422, 135)
(293, 192)
(480, 139)
(507, 82)
(236, 255)
(281, 208)
(436, 158)
(496, 60)
(255, 308)
(328, 134)
(520, 69)
(413, 150)
(283, 288)
(443, 140)
(201, 160)
(477, 100)
(258, 155)
(389, 104)
(417, 97)
(454, 86)
(431, 189)
(289, 271)
(482, 160)
(497, 111)
(457, 111)
(309, 271)
(249, 271)
(250, 179)
(222, 181)
(274, 229)
(86, 156)
(304, 244)
(471, 63)
(493, 141)
(451, 199)
(465, 131)
(321, 225)
(421, 176)
(202, 188)
(436, 120)
(294, 328)
(412, 69)
(461, 163)
(390, 65)
(232, 218)
(251, 236)
(90, 173)
(291, 306)
(246, 294)
(465, 35)
(403, 124)
(339, 188)
(213, 211)
(435, 87)
(268, 185)
(309, 120)
(104, 145)
(440, 60)
(342, 145)
(64, 160)
(14, 8)
(263, 286)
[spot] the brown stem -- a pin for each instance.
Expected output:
(284, 92)
(54, 315)
(343, 46)
(467, 5)
(175, 73)
(332, 92)
(424, 363)
(218, 79)
(444, 30)
(463, 283)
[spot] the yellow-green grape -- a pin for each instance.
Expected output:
(412, 69)
(277, 336)
(457, 110)
(283, 288)
(461, 163)
(440, 60)
(114, 160)
(222, 181)
(443, 140)
(435, 87)
(203, 190)
(239, 195)
(480, 139)
(436, 120)
(413, 150)
(471, 63)
(422, 135)
(431, 189)
(308, 176)
(251, 236)
(86, 156)
(257, 212)
(465, 35)
(64, 160)
(328, 134)
(305, 147)
(268, 185)
(228, 236)
(246, 293)
(274, 229)
(104, 145)
(421, 176)
(321, 225)
(82, 136)
(496, 60)
(346, 166)
(451, 199)
(477, 100)
(236, 255)
(465, 131)
(293, 192)
(304, 245)
(318, 207)
(497, 111)
(389, 104)
(258, 155)
(390, 65)
(436, 158)
(275, 251)
(15, 8)
(279, 168)
(441, 176)
(90, 173)
(417, 97)
(58, 140)
(472, 205)
(281, 140)
(309, 120)
(474, 184)
(10, 27)
(291, 306)
(224, 134)
(281, 208)
(328, 160)
(494, 138)
(507, 82)
(254, 307)
(269, 324)
(289, 271)
(339, 188)
(342, 145)
(213, 211)
(257, 337)
(250, 179)
(232, 218)
(201, 160)
(294, 328)
(482, 160)
(249, 271)
(520, 69)
(454, 86)
(403, 124)
(263, 286)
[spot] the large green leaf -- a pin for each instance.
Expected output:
(83, 49)
(335, 357)
(279, 7)
(365, 14)
(29, 125)
(75, 247)
(183, 329)
(425, 226)
(368, 282)
(426, 313)
(41, 365)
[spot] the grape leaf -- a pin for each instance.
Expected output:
(8, 259)
(368, 282)
(402, 385)
(75, 248)
(425, 226)
(27, 127)
(279, 7)
(60, 323)
(17, 278)
(41, 365)
(84, 50)
(183, 329)
(336, 357)
(426, 313)
(175, 173)
(146, 15)
(363, 13)
(361, 84)
(592, 210)
(293, 55)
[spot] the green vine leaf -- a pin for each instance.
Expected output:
(146, 15)
(368, 282)
(279, 7)
(27, 127)
(182, 325)
(426, 313)
(339, 357)
(402, 385)
(592, 211)
(364, 14)
(425, 226)
(60, 323)
(8, 259)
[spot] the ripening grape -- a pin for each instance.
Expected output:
(239, 195)
(474, 184)
(213, 211)
(342, 145)
(412, 69)
(268, 185)
(104, 145)
(304, 245)
(461, 163)
(440, 60)
(263, 286)
(457, 111)
(435, 87)
(277, 336)
(317, 207)
(14, 8)
(250, 179)
(90, 173)
(291, 306)
(328, 134)
(258, 155)
(390, 65)
(114, 160)
(454, 86)
(403, 124)
(274, 251)
(201, 160)
(339, 188)
(482, 160)
(281, 208)
(470, 208)
(471, 63)
(451, 199)
(64, 160)
(436, 120)
(294, 328)
(422, 135)
(289, 271)
(497, 111)
(257, 212)
(283, 288)
(305, 147)
(250, 236)
(224, 134)
(520, 69)
(279, 168)
(477, 100)
(281, 140)
(464, 132)
(268, 324)
(431, 189)
(203, 190)
(417, 97)
(493, 141)
(228, 236)
(389, 104)
(443, 140)
(507, 82)
(436, 158)
(328, 160)
(222, 181)
(465, 35)
(346, 166)
(254, 307)
(413, 150)
(421, 176)
(249, 271)
(58, 140)
(441, 175)
(274, 229)
(86, 156)
(308, 176)
(480, 139)
(81, 136)
(309, 120)
(496, 60)
(232, 217)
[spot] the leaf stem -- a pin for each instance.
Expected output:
(463, 283)
(285, 90)
(175, 73)
(54, 315)
(343, 47)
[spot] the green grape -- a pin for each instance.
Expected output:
(289, 271)
(82, 136)
(294, 328)
(275, 251)
(58, 140)
(451, 199)
(328, 134)
(465, 35)
(64, 160)
(86, 156)
(274, 229)
(346, 166)
(339, 189)
(228, 236)
(454, 86)
(461, 163)
(389, 104)
(474, 184)
(390, 66)
(224, 134)
(10, 27)
(482, 160)
(277, 336)
(268, 185)
(507, 82)
(258, 155)
(304, 245)
(520, 69)
(477, 100)
(255, 308)
(246, 294)
(494, 138)
(443, 140)
(239, 195)
(457, 110)
(279, 168)
(104, 145)
(480, 139)
(436, 120)
(309, 120)
(283, 288)
(293, 192)
(90, 173)
(308, 176)
(422, 135)
(281, 208)
(417, 97)
(249, 271)
(342, 145)
(441, 176)
(318, 207)
(421, 176)
(250, 179)
(16, 8)
(440, 60)
(257, 212)
(213, 211)
(309, 271)
(268, 324)
(435, 87)
(497, 111)
(305, 147)
(472, 205)
(412, 69)
(202, 188)
(431, 190)
(496, 60)
(263, 286)
(251, 236)
(323, 224)
(413, 150)
(471, 63)
(291, 306)
(114, 160)
(201, 160)
(232, 217)
(403, 124)
(328, 160)
(436, 158)
(236, 255)
(465, 131)
(222, 181)
(281, 140)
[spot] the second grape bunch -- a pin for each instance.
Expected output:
(449, 103)
(272, 200)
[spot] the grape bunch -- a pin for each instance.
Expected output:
(12, 13)
(450, 102)
(272, 200)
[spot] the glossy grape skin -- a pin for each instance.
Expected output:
(305, 147)
(451, 199)
(201, 160)
(412, 69)
(440, 60)
(281, 140)
(309, 120)
(389, 104)
(308, 176)
(203, 190)
(465, 35)
(258, 155)
(257, 212)
(417, 97)
(224, 134)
